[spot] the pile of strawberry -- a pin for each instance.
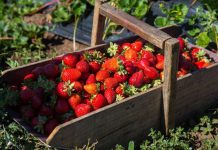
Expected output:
(78, 83)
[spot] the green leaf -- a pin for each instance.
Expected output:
(161, 21)
(131, 145)
(193, 32)
(203, 39)
(141, 9)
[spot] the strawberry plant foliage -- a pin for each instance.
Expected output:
(136, 8)
(174, 15)
(204, 26)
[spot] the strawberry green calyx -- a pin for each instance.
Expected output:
(148, 47)
(130, 90)
(200, 54)
(156, 82)
(112, 50)
(145, 87)
(121, 70)
(94, 55)
(68, 87)
(119, 98)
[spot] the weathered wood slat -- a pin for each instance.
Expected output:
(116, 123)
(145, 31)
(171, 53)
(98, 25)
(196, 93)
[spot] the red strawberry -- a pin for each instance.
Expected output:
(82, 109)
(77, 86)
(130, 68)
(151, 73)
(83, 66)
(137, 46)
(186, 56)
(143, 63)
(120, 77)
(112, 64)
(126, 46)
(61, 106)
(94, 66)
(160, 62)
(110, 83)
(38, 71)
(149, 56)
(50, 126)
(74, 100)
(99, 101)
(110, 95)
(160, 65)
(36, 102)
(120, 90)
(102, 75)
(91, 79)
(92, 88)
(181, 44)
(70, 60)
(130, 54)
(202, 63)
(51, 70)
(45, 110)
(137, 79)
(62, 90)
(29, 76)
(70, 74)
(160, 57)
(181, 73)
(25, 94)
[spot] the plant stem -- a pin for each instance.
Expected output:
(74, 32)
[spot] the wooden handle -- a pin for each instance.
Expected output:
(145, 31)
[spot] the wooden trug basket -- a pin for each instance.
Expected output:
(118, 123)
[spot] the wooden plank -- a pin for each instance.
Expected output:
(147, 32)
(171, 53)
(196, 93)
(115, 123)
(98, 25)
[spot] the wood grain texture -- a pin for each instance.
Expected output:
(145, 31)
(98, 25)
(117, 123)
(171, 53)
(196, 92)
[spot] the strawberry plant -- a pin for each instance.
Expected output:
(204, 26)
(173, 15)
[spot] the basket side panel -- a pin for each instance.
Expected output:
(196, 93)
(116, 123)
